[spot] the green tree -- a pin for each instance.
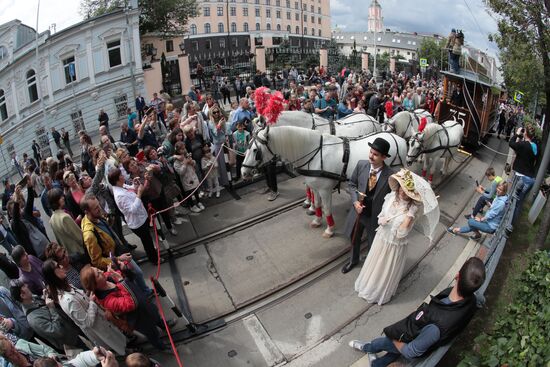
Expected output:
(435, 52)
(527, 23)
(164, 16)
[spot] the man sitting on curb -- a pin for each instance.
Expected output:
(487, 196)
(431, 325)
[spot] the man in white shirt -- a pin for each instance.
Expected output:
(130, 204)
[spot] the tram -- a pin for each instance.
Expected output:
(476, 110)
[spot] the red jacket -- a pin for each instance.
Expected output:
(118, 300)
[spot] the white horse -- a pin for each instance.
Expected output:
(435, 141)
(354, 125)
(351, 126)
(320, 158)
(405, 123)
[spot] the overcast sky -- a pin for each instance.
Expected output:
(422, 16)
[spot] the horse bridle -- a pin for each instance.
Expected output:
(259, 155)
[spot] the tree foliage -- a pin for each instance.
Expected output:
(435, 52)
(163, 16)
(524, 33)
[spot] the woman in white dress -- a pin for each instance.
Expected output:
(384, 265)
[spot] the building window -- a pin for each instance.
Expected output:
(69, 70)
(319, 10)
(305, 7)
(245, 12)
(278, 14)
(257, 2)
(297, 30)
(207, 28)
(305, 30)
(288, 15)
(278, 2)
(288, 3)
(257, 12)
(312, 9)
(31, 85)
(313, 31)
(220, 27)
(408, 53)
(220, 10)
(296, 5)
(245, 27)
(208, 45)
(113, 50)
(206, 11)
(257, 26)
(3, 53)
(319, 33)
(121, 105)
(222, 42)
(268, 13)
(233, 11)
(169, 46)
(278, 27)
(193, 29)
(313, 19)
(78, 121)
(268, 26)
(234, 42)
(268, 2)
(319, 20)
(413, 55)
(233, 27)
(414, 43)
(288, 28)
(297, 17)
(305, 18)
(195, 45)
(3, 108)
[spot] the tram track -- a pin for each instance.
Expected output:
(301, 282)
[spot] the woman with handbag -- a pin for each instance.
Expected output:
(129, 307)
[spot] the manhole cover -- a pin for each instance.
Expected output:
(232, 353)
(249, 257)
(308, 315)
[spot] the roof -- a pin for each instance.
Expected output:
(467, 75)
(401, 40)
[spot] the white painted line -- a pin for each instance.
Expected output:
(272, 355)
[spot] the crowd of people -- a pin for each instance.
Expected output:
(84, 283)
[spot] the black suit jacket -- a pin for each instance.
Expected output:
(359, 181)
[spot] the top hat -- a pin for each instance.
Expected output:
(381, 146)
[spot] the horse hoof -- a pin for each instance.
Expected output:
(310, 212)
(327, 234)
(314, 224)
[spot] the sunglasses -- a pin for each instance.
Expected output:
(215, 112)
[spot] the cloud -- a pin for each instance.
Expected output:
(422, 16)
(63, 13)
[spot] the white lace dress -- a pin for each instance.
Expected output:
(384, 265)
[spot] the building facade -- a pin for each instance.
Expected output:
(227, 32)
(62, 80)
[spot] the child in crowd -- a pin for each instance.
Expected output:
(208, 160)
(241, 138)
(184, 165)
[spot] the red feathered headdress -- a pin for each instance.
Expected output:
(274, 107)
(261, 98)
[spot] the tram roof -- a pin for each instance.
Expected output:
(467, 75)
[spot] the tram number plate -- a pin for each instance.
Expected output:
(458, 116)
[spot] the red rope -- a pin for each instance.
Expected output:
(152, 214)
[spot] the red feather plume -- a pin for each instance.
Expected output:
(274, 107)
(261, 98)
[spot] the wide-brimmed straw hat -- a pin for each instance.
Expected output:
(404, 179)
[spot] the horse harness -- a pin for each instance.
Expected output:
(331, 124)
(446, 148)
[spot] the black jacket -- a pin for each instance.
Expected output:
(449, 318)
(525, 157)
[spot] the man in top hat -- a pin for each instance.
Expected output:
(368, 186)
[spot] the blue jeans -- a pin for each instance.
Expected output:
(382, 344)
(474, 225)
(522, 189)
(481, 202)
(140, 281)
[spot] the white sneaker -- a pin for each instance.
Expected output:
(201, 207)
(217, 194)
(210, 194)
(178, 221)
(357, 344)
(201, 194)
(195, 209)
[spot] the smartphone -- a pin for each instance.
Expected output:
(477, 183)
(101, 351)
(114, 262)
